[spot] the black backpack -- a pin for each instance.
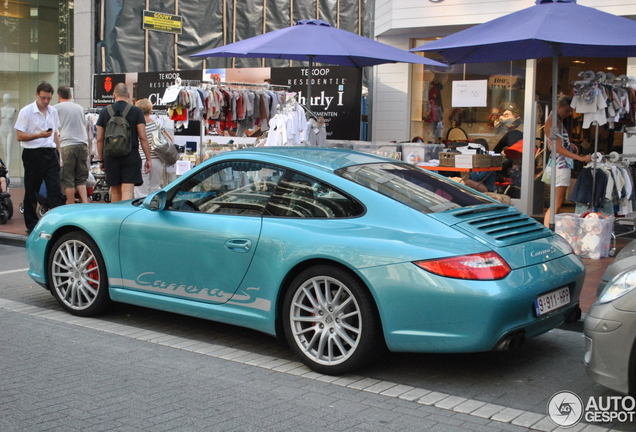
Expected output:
(117, 137)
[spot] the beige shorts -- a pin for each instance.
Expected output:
(562, 176)
(74, 165)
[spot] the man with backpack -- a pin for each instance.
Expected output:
(121, 128)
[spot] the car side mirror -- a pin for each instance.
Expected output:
(155, 201)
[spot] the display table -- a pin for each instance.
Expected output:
(464, 171)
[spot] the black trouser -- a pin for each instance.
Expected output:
(41, 164)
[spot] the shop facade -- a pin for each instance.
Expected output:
(412, 103)
(67, 43)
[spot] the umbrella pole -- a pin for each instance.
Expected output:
(309, 78)
(553, 132)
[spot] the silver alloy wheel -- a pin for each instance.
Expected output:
(75, 274)
(326, 320)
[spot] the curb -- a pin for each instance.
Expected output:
(13, 239)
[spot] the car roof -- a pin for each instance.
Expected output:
(326, 158)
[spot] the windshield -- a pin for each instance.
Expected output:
(413, 186)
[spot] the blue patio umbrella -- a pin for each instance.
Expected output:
(550, 28)
(317, 41)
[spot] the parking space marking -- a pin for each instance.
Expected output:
(442, 401)
(14, 271)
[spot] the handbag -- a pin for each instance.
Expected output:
(164, 148)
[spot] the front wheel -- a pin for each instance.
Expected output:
(77, 275)
(330, 321)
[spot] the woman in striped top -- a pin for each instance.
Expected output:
(152, 181)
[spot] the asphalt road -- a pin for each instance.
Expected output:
(138, 369)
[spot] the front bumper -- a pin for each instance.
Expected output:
(609, 341)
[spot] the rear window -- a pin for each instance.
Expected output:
(414, 187)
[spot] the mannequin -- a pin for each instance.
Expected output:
(7, 133)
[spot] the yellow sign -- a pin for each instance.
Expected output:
(502, 81)
(163, 22)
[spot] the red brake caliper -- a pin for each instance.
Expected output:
(93, 273)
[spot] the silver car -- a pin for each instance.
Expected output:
(610, 326)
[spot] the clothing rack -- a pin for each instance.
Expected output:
(209, 84)
(308, 111)
(178, 82)
(242, 84)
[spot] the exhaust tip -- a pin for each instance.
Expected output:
(511, 342)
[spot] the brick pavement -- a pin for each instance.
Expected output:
(138, 369)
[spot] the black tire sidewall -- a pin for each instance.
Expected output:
(370, 340)
(102, 302)
(9, 208)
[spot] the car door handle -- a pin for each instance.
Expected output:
(239, 245)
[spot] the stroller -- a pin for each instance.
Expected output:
(43, 202)
(6, 205)
(101, 188)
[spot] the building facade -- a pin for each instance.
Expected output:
(66, 43)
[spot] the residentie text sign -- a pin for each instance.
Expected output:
(163, 22)
(336, 95)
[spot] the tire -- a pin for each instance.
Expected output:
(4, 217)
(77, 275)
(9, 204)
(21, 207)
(42, 210)
(107, 197)
(97, 196)
(330, 321)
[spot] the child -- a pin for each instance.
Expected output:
(4, 182)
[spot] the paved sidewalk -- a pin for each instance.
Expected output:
(68, 378)
(136, 369)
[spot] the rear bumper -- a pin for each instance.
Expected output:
(435, 314)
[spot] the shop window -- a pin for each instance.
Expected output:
(234, 188)
(435, 118)
(300, 196)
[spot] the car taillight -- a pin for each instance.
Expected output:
(481, 266)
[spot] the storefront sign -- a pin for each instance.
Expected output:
(469, 94)
(152, 85)
(336, 95)
(103, 86)
(163, 22)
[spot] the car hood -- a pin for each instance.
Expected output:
(518, 238)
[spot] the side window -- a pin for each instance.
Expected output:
(236, 187)
(299, 196)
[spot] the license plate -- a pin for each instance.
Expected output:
(553, 300)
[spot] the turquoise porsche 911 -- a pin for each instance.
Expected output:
(341, 253)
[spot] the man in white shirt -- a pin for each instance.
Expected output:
(36, 130)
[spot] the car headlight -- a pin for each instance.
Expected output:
(619, 286)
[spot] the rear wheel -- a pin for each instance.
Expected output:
(4, 217)
(330, 321)
(77, 275)
(9, 207)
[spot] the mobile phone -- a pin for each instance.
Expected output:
(49, 129)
